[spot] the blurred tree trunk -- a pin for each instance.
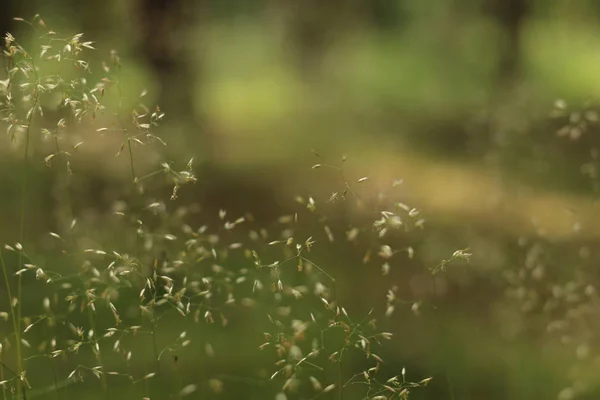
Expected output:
(310, 25)
(164, 27)
(511, 15)
(6, 19)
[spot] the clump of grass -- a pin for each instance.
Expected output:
(90, 307)
(551, 285)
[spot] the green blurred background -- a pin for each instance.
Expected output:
(485, 108)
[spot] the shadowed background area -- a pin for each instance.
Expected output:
(484, 108)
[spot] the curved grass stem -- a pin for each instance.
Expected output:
(23, 201)
(99, 357)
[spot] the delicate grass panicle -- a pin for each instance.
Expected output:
(94, 305)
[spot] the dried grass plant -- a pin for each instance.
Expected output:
(91, 320)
